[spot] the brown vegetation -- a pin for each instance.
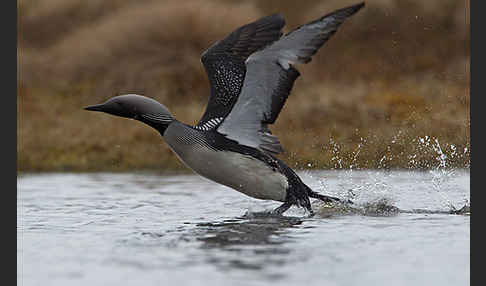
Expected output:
(388, 88)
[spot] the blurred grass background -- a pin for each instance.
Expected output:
(389, 90)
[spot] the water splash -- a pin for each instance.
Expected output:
(379, 207)
(441, 173)
(356, 152)
(375, 187)
(336, 154)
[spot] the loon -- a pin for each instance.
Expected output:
(251, 75)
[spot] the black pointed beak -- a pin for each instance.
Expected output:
(96, 107)
(110, 107)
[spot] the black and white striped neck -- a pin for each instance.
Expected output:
(160, 122)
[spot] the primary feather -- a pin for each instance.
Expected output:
(270, 77)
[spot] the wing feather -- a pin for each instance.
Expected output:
(270, 77)
(224, 62)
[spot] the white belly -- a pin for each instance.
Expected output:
(240, 172)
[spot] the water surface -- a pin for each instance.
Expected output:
(148, 229)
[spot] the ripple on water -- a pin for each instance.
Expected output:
(109, 228)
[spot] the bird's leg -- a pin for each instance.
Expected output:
(283, 208)
(328, 199)
(311, 212)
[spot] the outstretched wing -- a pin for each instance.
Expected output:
(270, 77)
(225, 65)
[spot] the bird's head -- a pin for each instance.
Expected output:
(138, 107)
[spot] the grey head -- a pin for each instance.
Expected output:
(138, 107)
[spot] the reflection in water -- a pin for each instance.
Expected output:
(247, 230)
(253, 242)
